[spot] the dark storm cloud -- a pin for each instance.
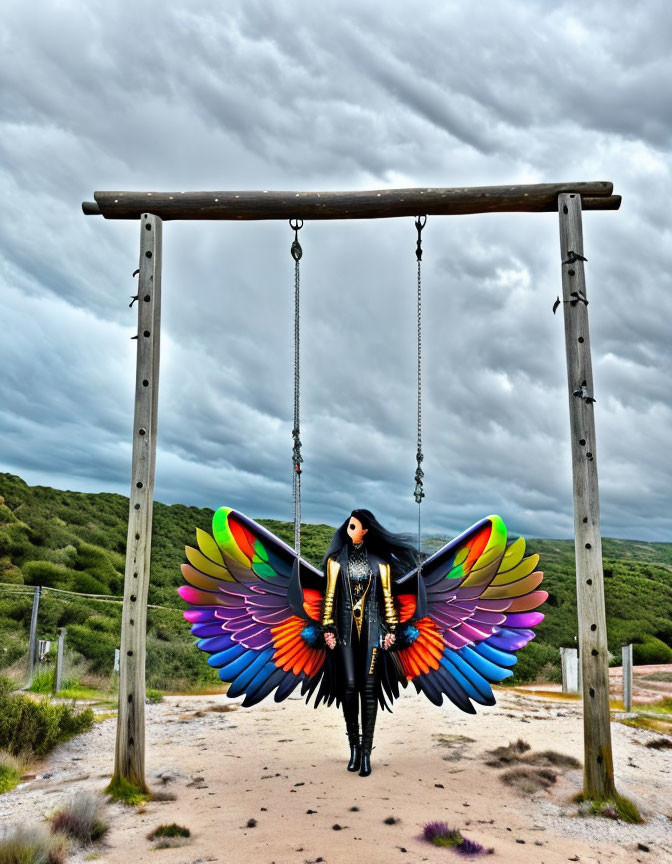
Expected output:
(339, 95)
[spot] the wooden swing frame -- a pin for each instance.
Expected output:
(569, 200)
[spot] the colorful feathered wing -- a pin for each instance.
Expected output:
(480, 594)
(240, 611)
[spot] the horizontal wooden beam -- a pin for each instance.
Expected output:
(377, 204)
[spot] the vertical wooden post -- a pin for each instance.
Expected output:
(32, 639)
(570, 670)
(626, 654)
(59, 660)
(598, 772)
(129, 759)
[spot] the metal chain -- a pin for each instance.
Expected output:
(419, 492)
(297, 458)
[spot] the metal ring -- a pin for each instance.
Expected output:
(295, 226)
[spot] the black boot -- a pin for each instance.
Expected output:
(369, 711)
(351, 714)
(355, 754)
(365, 769)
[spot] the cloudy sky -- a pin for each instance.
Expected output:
(244, 94)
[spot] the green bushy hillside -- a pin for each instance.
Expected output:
(76, 542)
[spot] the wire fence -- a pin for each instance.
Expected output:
(52, 639)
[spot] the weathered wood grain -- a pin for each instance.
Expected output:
(594, 655)
(369, 204)
(129, 762)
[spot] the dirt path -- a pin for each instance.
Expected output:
(284, 766)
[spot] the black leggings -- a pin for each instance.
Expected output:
(360, 680)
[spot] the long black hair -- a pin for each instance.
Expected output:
(398, 550)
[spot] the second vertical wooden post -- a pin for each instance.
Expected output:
(598, 761)
(129, 761)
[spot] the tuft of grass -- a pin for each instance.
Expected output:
(619, 807)
(440, 834)
(43, 681)
(508, 754)
(33, 844)
(172, 830)
(10, 771)
(153, 696)
(659, 744)
(82, 818)
(120, 789)
(162, 795)
(529, 780)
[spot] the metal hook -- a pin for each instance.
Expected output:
(420, 223)
(296, 225)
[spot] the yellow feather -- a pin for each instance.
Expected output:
(208, 546)
(526, 566)
(205, 565)
(514, 589)
(513, 555)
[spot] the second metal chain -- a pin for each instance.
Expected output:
(297, 458)
(419, 492)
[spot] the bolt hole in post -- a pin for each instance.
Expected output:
(588, 546)
(582, 442)
(146, 333)
(146, 298)
(565, 210)
(594, 652)
(137, 536)
(581, 340)
(148, 254)
(142, 431)
(585, 520)
(593, 627)
(130, 697)
(137, 506)
(589, 581)
(139, 484)
(145, 383)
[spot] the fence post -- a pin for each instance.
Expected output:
(32, 642)
(570, 670)
(59, 660)
(626, 654)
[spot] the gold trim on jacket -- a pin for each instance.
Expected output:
(333, 568)
(386, 582)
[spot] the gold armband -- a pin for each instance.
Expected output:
(386, 581)
(332, 575)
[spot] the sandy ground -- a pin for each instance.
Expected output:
(284, 766)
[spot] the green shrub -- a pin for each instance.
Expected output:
(96, 646)
(651, 651)
(10, 771)
(37, 727)
(532, 659)
(85, 583)
(9, 572)
(44, 573)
